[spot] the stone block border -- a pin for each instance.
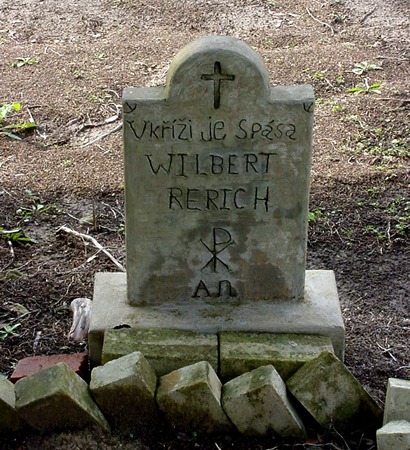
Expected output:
(188, 393)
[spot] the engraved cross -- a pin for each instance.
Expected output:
(217, 77)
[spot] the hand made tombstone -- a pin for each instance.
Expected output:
(217, 167)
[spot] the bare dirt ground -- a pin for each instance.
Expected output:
(76, 57)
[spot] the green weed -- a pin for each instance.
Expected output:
(7, 331)
(35, 209)
(366, 88)
(363, 67)
(16, 236)
(21, 61)
(7, 109)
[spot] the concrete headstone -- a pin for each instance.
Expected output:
(217, 169)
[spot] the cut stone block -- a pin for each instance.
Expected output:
(397, 405)
(78, 362)
(243, 352)
(57, 399)
(124, 389)
(394, 435)
(319, 313)
(333, 396)
(9, 419)
(257, 404)
(165, 350)
(190, 399)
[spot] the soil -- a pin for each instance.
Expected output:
(85, 52)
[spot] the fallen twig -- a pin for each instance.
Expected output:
(94, 242)
(104, 135)
(319, 21)
(367, 15)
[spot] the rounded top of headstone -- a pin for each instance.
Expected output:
(220, 68)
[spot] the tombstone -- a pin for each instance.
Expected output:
(217, 168)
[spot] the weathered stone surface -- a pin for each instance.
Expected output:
(257, 404)
(9, 419)
(333, 396)
(394, 435)
(190, 398)
(124, 389)
(165, 350)
(56, 399)
(243, 352)
(217, 167)
(319, 314)
(78, 362)
(397, 405)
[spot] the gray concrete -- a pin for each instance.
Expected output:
(55, 399)
(165, 350)
(318, 314)
(397, 404)
(333, 396)
(124, 390)
(257, 404)
(243, 352)
(217, 167)
(190, 399)
(394, 435)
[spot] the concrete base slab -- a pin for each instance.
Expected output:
(319, 313)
